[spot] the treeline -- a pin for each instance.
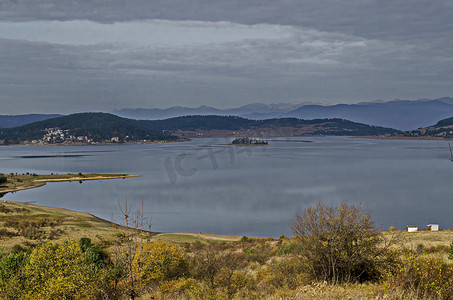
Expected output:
(187, 123)
(325, 126)
(340, 127)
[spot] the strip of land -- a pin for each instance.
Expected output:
(18, 182)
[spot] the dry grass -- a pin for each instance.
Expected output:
(62, 224)
(184, 237)
(430, 242)
(51, 223)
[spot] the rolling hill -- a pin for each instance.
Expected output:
(102, 128)
(442, 129)
(213, 126)
(82, 127)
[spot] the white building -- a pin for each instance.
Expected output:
(433, 227)
(411, 228)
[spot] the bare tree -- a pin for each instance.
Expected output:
(129, 248)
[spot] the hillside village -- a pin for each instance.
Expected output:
(62, 136)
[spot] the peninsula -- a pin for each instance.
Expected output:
(14, 182)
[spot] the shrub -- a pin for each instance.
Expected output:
(157, 261)
(3, 179)
(206, 264)
(340, 243)
(441, 249)
(290, 273)
(59, 271)
(422, 276)
(11, 275)
(95, 255)
(84, 243)
(180, 287)
(6, 233)
(7, 210)
(291, 248)
(11, 264)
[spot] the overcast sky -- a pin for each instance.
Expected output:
(61, 56)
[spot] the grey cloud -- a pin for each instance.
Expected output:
(379, 19)
(308, 65)
(337, 51)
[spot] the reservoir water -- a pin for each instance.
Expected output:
(207, 186)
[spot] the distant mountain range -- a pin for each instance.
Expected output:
(398, 114)
(250, 111)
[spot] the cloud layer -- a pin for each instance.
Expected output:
(67, 56)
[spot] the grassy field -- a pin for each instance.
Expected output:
(24, 225)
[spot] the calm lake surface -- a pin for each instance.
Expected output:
(207, 186)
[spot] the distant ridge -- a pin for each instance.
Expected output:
(251, 111)
(8, 121)
(398, 114)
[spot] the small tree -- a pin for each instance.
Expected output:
(339, 244)
(131, 251)
(157, 261)
(60, 271)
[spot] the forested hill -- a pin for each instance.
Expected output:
(442, 129)
(282, 125)
(82, 127)
(108, 128)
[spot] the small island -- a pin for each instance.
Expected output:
(14, 182)
(249, 141)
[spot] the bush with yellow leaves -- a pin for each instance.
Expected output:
(157, 261)
(60, 271)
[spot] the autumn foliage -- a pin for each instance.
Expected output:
(335, 250)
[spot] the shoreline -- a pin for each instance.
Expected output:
(97, 144)
(403, 138)
(222, 136)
